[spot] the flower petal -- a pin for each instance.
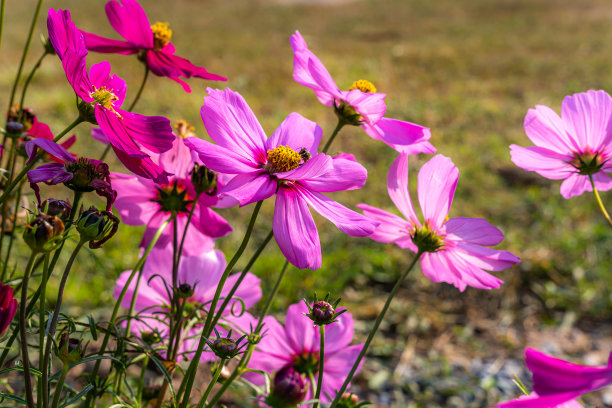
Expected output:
(345, 174)
(136, 198)
(403, 136)
(545, 162)
(546, 129)
(152, 132)
(473, 230)
(397, 185)
(390, 228)
(50, 147)
(296, 132)
(315, 167)
(97, 43)
(131, 22)
(436, 187)
(249, 187)
(587, 116)
(219, 158)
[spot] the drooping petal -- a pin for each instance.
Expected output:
(473, 230)
(179, 160)
(64, 35)
(574, 185)
(370, 105)
(248, 188)
(221, 159)
(130, 21)
(296, 132)
(210, 223)
(403, 136)
(97, 43)
(545, 162)
(230, 122)
(143, 167)
(152, 132)
(347, 221)
(345, 174)
(546, 129)
(397, 185)
(436, 187)
(485, 258)
(588, 116)
(390, 228)
(50, 174)
(295, 231)
(50, 147)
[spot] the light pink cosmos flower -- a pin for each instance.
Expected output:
(150, 42)
(297, 345)
(573, 146)
(368, 105)
(127, 132)
(286, 164)
(200, 273)
(454, 251)
(557, 381)
(142, 202)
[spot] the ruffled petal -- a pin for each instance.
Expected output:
(545, 162)
(546, 129)
(390, 228)
(296, 132)
(436, 187)
(130, 21)
(152, 132)
(587, 117)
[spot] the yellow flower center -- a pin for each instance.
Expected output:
(364, 86)
(184, 129)
(282, 159)
(426, 239)
(105, 98)
(161, 34)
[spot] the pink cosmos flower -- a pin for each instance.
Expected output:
(557, 381)
(142, 202)
(104, 94)
(82, 174)
(573, 146)
(199, 274)
(151, 42)
(8, 307)
(360, 105)
(454, 251)
(533, 400)
(296, 345)
(287, 164)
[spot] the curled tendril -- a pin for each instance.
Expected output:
(163, 281)
(242, 308)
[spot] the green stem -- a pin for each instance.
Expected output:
(140, 385)
(25, 52)
(22, 329)
(60, 385)
(28, 167)
(1, 18)
(12, 234)
(55, 318)
(113, 318)
(142, 85)
(339, 126)
(128, 328)
(27, 82)
(212, 384)
(599, 202)
(244, 272)
(43, 396)
(189, 217)
(321, 361)
(11, 167)
(190, 376)
(374, 329)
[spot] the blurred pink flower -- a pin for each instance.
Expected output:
(286, 164)
(533, 400)
(297, 345)
(141, 201)
(573, 146)
(151, 42)
(102, 95)
(557, 381)
(201, 274)
(455, 250)
(8, 307)
(368, 106)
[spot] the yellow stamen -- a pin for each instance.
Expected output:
(161, 34)
(184, 129)
(364, 86)
(105, 98)
(283, 158)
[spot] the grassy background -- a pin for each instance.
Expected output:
(468, 70)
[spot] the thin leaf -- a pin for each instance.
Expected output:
(92, 328)
(13, 398)
(165, 373)
(78, 396)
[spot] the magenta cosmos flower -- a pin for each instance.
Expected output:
(360, 105)
(150, 42)
(533, 400)
(198, 276)
(287, 164)
(557, 381)
(455, 250)
(8, 307)
(571, 147)
(102, 95)
(143, 202)
(296, 345)
(82, 175)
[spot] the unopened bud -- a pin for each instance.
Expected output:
(87, 112)
(322, 311)
(185, 290)
(289, 389)
(43, 232)
(69, 349)
(96, 227)
(59, 208)
(14, 129)
(46, 42)
(349, 400)
(204, 180)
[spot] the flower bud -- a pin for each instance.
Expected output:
(224, 346)
(59, 208)
(14, 129)
(69, 350)
(322, 312)
(204, 180)
(46, 42)
(96, 227)
(349, 400)
(87, 112)
(43, 232)
(289, 389)
(185, 290)
(8, 307)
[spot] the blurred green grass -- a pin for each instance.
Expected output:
(468, 70)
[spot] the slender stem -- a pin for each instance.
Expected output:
(105, 152)
(11, 167)
(27, 82)
(142, 85)
(189, 217)
(244, 272)
(599, 202)
(212, 384)
(12, 234)
(22, 329)
(25, 52)
(321, 361)
(28, 167)
(128, 328)
(113, 318)
(140, 384)
(55, 318)
(339, 126)
(190, 376)
(1, 18)
(43, 397)
(374, 329)
(60, 385)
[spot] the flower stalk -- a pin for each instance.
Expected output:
(321, 362)
(22, 330)
(599, 202)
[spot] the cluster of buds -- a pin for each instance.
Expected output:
(43, 232)
(96, 226)
(350, 400)
(321, 312)
(289, 389)
(226, 347)
(69, 349)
